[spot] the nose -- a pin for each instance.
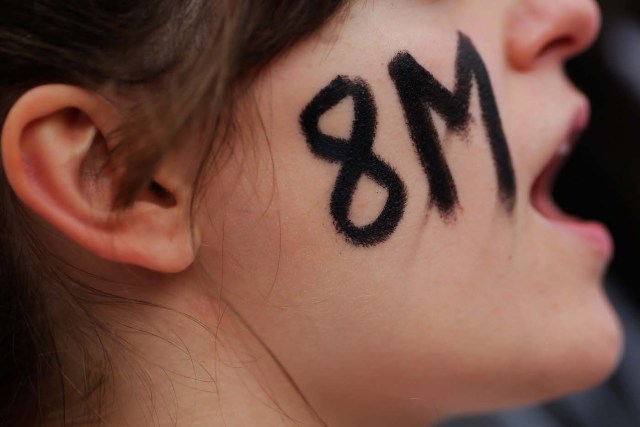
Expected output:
(550, 29)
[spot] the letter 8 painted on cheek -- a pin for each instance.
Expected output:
(357, 159)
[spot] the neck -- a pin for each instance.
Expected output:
(195, 364)
(223, 376)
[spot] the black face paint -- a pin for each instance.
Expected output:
(357, 159)
(420, 93)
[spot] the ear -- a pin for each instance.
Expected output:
(55, 150)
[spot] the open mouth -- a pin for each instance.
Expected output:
(541, 198)
(541, 194)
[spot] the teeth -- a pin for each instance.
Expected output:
(564, 149)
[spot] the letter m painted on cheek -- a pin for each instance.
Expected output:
(420, 93)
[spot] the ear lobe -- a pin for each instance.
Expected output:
(55, 153)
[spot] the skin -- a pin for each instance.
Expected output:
(490, 309)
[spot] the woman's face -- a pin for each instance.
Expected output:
(384, 220)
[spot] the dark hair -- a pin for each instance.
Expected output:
(199, 52)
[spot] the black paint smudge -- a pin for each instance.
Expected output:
(357, 159)
(420, 93)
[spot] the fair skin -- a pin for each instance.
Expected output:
(488, 309)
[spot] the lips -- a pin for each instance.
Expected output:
(592, 233)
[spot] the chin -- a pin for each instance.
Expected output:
(584, 351)
(575, 352)
(593, 351)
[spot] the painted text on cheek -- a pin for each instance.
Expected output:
(420, 94)
(357, 159)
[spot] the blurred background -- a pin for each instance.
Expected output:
(602, 181)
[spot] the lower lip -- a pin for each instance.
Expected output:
(594, 233)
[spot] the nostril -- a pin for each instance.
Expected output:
(560, 45)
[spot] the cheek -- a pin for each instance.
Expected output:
(240, 220)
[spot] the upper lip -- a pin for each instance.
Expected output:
(575, 128)
(580, 122)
